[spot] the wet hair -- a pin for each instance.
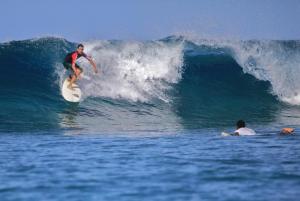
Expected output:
(80, 45)
(240, 124)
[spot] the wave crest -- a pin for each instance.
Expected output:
(133, 70)
(277, 62)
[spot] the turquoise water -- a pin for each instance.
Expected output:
(148, 126)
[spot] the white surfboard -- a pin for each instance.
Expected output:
(71, 95)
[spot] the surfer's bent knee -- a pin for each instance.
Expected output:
(78, 69)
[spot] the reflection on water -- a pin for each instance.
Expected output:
(69, 114)
(100, 115)
(104, 115)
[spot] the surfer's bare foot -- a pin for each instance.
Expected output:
(70, 87)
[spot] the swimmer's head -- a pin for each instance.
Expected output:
(240, 124)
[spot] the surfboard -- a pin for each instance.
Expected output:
(71, 95)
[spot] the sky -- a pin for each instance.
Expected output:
(81, 20)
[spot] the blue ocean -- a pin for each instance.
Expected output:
(149, 124)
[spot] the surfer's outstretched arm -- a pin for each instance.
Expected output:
(93, 64)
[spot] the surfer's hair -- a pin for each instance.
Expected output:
(240, 124)
(80, 45)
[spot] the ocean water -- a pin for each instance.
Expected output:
(148, 127)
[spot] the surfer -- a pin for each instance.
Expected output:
(70, 64)
(242, 129)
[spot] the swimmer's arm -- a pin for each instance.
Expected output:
(230, 134)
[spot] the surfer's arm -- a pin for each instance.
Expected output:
(92, 63)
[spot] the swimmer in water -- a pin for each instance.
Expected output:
(242, 129)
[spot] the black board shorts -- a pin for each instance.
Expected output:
(68, 66)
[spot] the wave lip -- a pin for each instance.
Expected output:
(277, 62)
(134, 71)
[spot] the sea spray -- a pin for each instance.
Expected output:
(134, 71)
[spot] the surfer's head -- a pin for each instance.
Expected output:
(80, 48)
(240, 124)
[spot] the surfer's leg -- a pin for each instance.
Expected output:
(73, 79)
(78, 71)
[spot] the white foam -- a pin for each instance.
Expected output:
(137, 71)
(140, 71)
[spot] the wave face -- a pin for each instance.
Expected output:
(173, 83)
